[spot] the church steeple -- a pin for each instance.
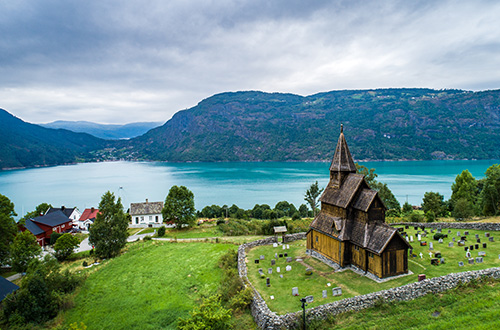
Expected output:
(342, 163)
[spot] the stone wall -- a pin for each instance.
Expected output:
(266, 319)
(452, 225)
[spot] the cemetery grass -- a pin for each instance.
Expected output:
(149, 286)
(471, 306)
(351, 283)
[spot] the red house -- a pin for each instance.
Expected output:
(87, 218)
(43, 226)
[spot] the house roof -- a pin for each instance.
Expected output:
(327, 224)
(55, 218)
(6, 287)
(146, 208)
(342, 159)
(67, 211)
(33, 228)
(342, 196)
(89, 214)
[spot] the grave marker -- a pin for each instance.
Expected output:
(442, 260)
(471, 261)
(419, 237)
(477, 236)
(309, 299)
(278, 269)
(450, 244)
(484, 245)
(491, 239)
(273, 262)
(476, 246)
(440, 240)
(458, 233)
(289, 259)
(269, 270)
(434, 261)
(268, 281)
(325, 294)
(281, 276)
(284, 247)
(276, 256)
(471, 247)
(466, 233)
(285, 255)
(411, 238)
(262, 257)
(295, 291)
(479, 260)
(481, 253)
(439, 230)
(337, 291)
(275, 245)
(431, 246)
(460, 263)
(453, 239)
(257, 261)
(281, 255)
(478, 240)
(449, 231)
(288, 247)
(288, 268)
(486, 234)
(468, 255)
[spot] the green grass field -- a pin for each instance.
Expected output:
(148, 287)
(351, 283)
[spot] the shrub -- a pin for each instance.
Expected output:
(53, 238)
(296, 216)
(242, 299)
(210, 315)
(437, 236)
(146, 238)
(85, 263)
(220, 221)
(161, 231)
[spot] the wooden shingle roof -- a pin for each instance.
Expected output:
(327, 224)
(342, 196)
(342, 159)
(146, 208)
(364, 199)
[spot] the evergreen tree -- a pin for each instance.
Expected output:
(8, 227)
(434, 201)
(490, 194)
(108, 233)
(466, 188)
(179, 207)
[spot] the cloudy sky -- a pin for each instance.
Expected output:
(128, 61)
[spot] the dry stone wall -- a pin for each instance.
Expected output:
(267, 319)
(452, 225)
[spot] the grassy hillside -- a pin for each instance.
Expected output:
(149, 287)
(382, 124)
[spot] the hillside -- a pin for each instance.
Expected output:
(103, 131)
(25, 145)
(384, 124)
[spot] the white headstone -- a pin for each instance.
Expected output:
(467, 255)
(275, 244)
(458, 233)
(481, 253)
(272, 297)
(287, 247)
(269, 270)
(325, 293)
(284, 247)
(440, 240)
(419, 237)
(461, 263)
(278, 269)
(295, 291)
(430, 254)
(422, 255)
(431, 246)
(411, 238)
(288, 268)
(337, 291)
(328, 284)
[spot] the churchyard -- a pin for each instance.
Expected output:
(461, 250)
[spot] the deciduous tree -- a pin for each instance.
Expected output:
(23, 250)
(311, 196)
(490, 194)
(179, 207)
(434, 201)
(8, 227)
(108, 233)
(65, 245)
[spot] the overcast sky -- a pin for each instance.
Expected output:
(128, 61)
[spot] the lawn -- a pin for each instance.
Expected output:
(473, 306)
(351, 283)
(202, 231)
(149, 287)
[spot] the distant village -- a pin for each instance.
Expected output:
(71, 220)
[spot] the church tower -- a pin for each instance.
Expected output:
(342, 163)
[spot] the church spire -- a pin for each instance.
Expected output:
(342, 159)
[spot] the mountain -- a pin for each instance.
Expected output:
(26, 145)
(109, 132)
(380, 124)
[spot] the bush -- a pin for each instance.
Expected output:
(296, 216)
(437, 236)
(85, 264)
(146, 238)
(221, 221)
(53, 238)
(242, 300)
(210, 315)
(161, 231)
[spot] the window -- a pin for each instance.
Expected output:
(356, 247)
(142, 219)
(370, 255)
(150, 218)
(156, 218)
(316, 239)
(136, 220)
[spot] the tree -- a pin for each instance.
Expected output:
(8, 227)
(434, 201)
(287, 208)
(383, 190)
(462, 210)
(465, 187)
(65, 245)
(303, 210)
(407, 208)
(39, 210)
(311, 196)
(179, 207)
(23, 250)
(490, 194)
(108, 233)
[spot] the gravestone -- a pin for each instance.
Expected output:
(337, 291)
(460, 263)
(257, 261)
(295, 291)
(272, 297)
(431, 246)
(468, 255)
(486, 234)
(269, 270)
(432, 231)
(491, 239)
(284, 247)
(407, 238)
(442, 260)
(406, 227)
(325, 294)
(464, 238)
(439, 230)
(481, 253)
(461, 243)
(262, 257)
(289, 259)
(449, 231)
(458, 233)
(471, 247)
(421, 277)
(285, 255)
(273, 262)
(288, 247)
(288, 268)
(471, 261)
(309, 299)
(434, 261)
(261, 273)
(450, 244)
(478, 240)
(453, 239)
(477, 236)
(476, 246)
(437, 254)
(299, 260)
(479, 260)
(278, 269)
(276, 256)
(268, 281)
(411, 238)
(466, 233)
(484, 245)
(423, 243)
(281, 276)
(281, 255)
(275, 245)
(415, 228)
(309, 271)
(466, 249)
(419, 237)
(440, 240)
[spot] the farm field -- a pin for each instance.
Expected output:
(148, 287)
(351, 283)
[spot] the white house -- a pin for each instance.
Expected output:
(146, 214)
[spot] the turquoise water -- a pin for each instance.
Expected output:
(243, 184)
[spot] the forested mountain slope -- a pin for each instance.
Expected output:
(384, 124)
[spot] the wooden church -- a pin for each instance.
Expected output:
(350, 228)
